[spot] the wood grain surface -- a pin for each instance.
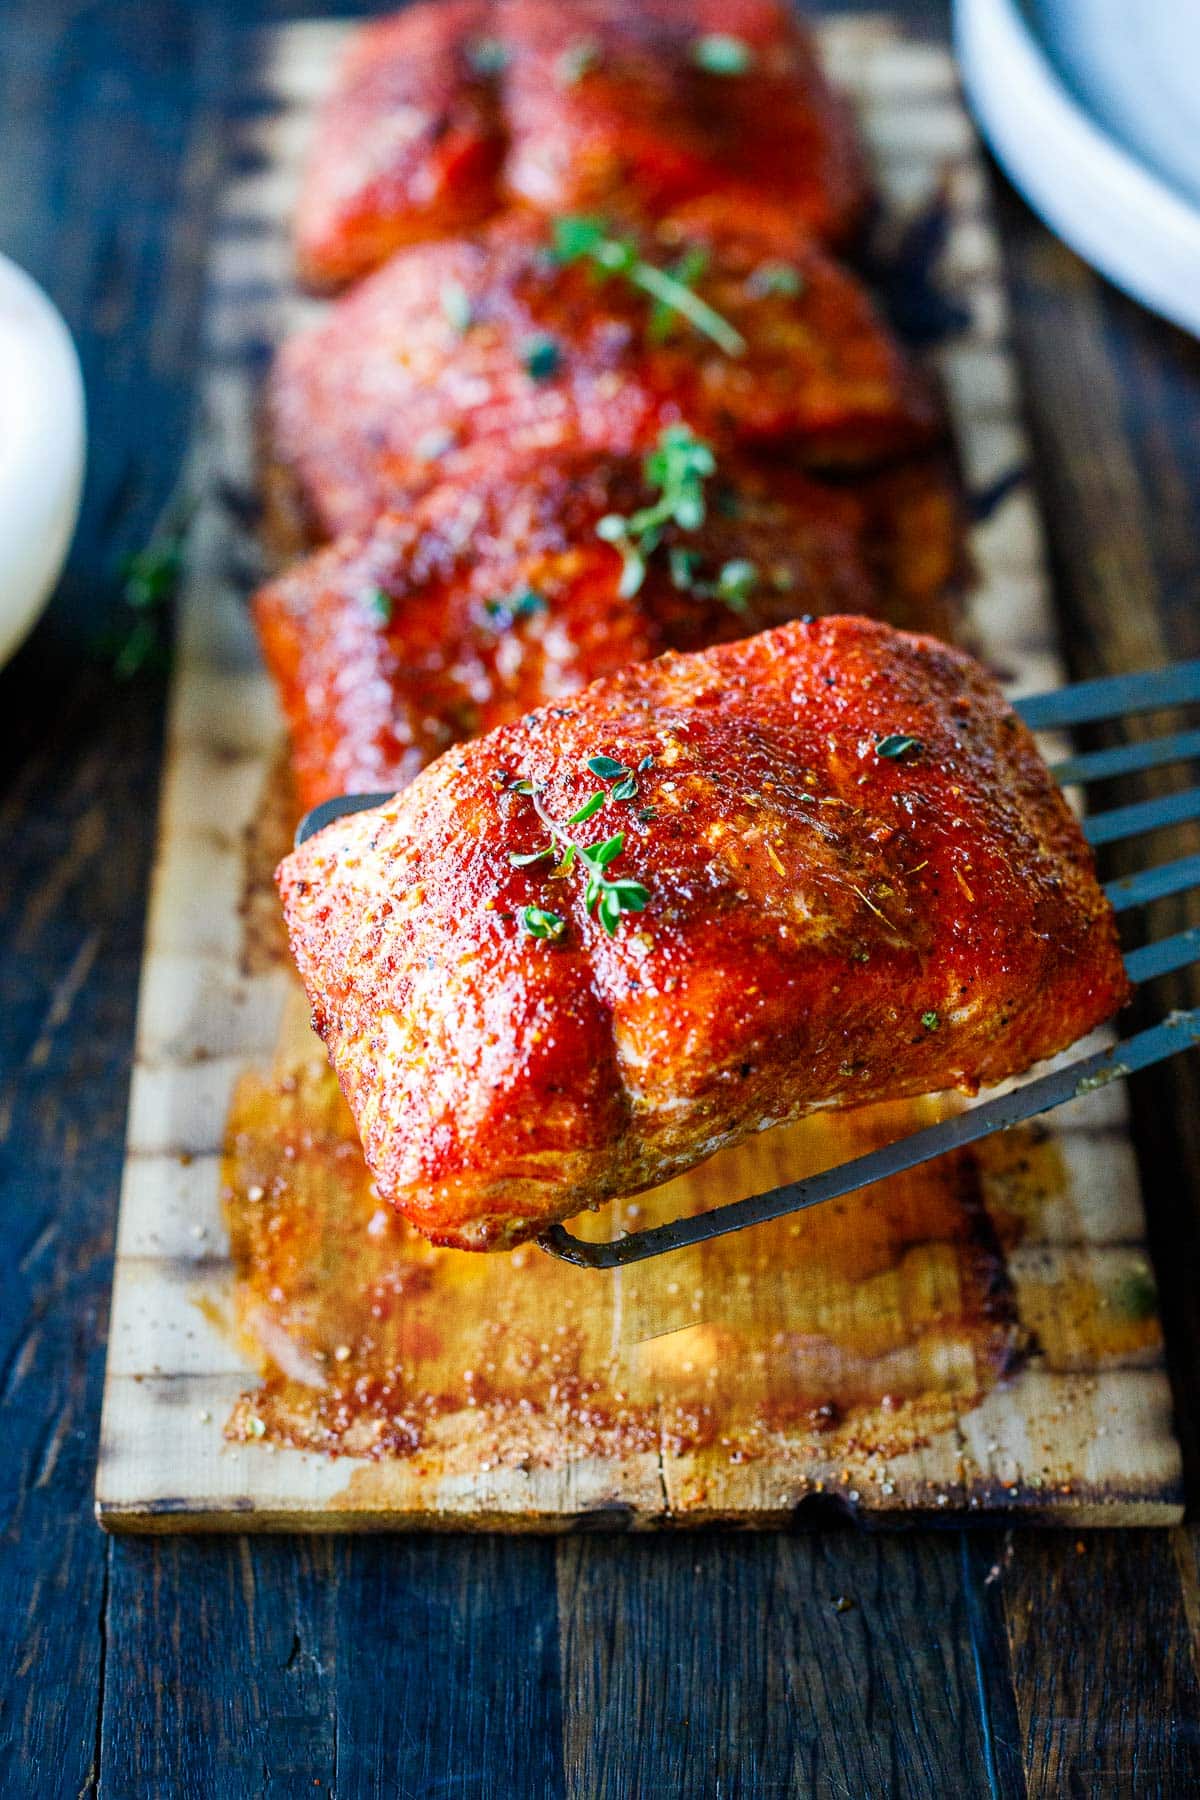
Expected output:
(976, 1337)
(971, 1664)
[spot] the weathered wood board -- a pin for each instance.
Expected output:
(975, 1339)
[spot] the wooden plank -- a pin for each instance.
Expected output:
(1110, 429)
(1088, 1727)
(68, 738)
(460, 1692)
(833, 1688)
(220, 1670)
(736, 1383)
(1112, 438)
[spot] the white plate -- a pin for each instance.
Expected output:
(1093, 108)
(41, 451)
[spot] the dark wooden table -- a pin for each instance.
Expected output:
(709, 1666)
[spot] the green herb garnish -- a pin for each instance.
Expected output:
(150, 582)
(542, 924)
(775, 278)
(380, 604)
(576, 61)
(1134, 1293)
(719, 54)
(687, 272)
(679, 468)
(609, 769)
(736, 582)
(541, 356)
(488, 56)
(606, 767)
(610, 896)
(930, 1020)
(456, 304)
(685, 566)
(522, 603)
(578, 238)
(897, 746)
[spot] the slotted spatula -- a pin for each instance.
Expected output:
(1107, 700)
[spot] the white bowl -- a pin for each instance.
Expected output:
(1090, 105)
(42, 434)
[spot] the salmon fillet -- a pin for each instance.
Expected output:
(829, 867)
(494, 340)
(408, 144)
(605, 103)
(640, 107)
(497, 594)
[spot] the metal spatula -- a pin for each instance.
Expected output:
(1089, 702)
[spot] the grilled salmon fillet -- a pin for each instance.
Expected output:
(643, 106)
(497, 594)
(503, 339)
(408, 144)
(829, 867)
(604, 103)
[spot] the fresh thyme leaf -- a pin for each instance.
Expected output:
(775, 278)
(542, 924)
(576, 61)
(138, 649)
(598, 856)
(619, 897)
(606, 767)
(612, 528)
(541, 356)
(687, 272)
(150, 581)
(522, 603)
(719, 54)
(488, 56)
(609, 769)
(456, 304)
(152, 575)
(524, 860)
(609, 897)
(380, 605)
(736, 582)
(930, 1020)
(647, 761)
(1134, 1293)
(685, 566)
(897, 746)
(588, 810)
(578, 237)
(678, 467)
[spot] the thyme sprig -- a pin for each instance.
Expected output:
(679, 467)
(576, 61)
(898, 746)
(150, 580)
(718, 53)
(611, 896)
(580, 238)
(456, 304)
(488, 56)
(506, 611)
